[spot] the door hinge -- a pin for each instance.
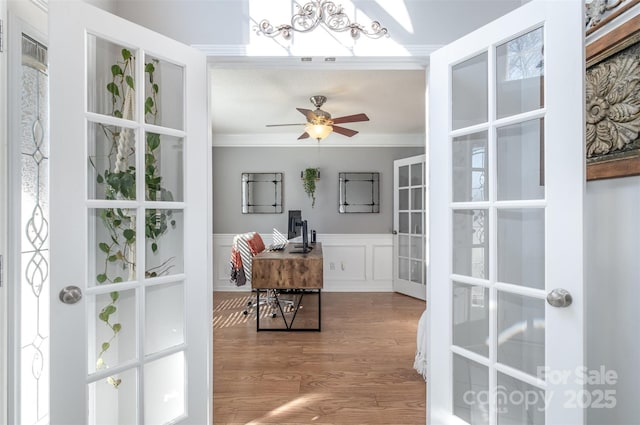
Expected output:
(1, 36)
(1, 271)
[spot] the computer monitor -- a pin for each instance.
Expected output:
(304, 247)
(293, 230)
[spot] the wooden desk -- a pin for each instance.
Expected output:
(291, 272)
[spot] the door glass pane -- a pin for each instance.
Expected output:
(470, 390)
(112, 162)
(404, 267)
(521, 247)
(521, 161)
(520, 74)
(165, 235)
(416, 198)
(164, 170)
(113, 400)
(519, 403)
(416, 174)
(403, 246)
(114, 249)
(521, 329)
(111, 78)
(470, 168)
(471, 318)
(470, 246)
(164, 317)
(32, 346)
(416, 223)
(403, 225)
(164, 396)
(416, 248)
(403, 176)
(164, 93)
(469, 92)
(113, 329)
(403, 199)
(416, 271)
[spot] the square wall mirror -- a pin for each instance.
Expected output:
(359, 192)
(261, 193)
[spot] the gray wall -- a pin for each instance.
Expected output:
(612, 257)
(230, 162)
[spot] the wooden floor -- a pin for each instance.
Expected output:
(358, 370)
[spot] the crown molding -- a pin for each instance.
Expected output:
(290, 140)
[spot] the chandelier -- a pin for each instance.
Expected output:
(320, 12)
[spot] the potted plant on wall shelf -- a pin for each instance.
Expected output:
(309, 178)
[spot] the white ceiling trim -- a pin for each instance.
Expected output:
(416, 53)
(287, 140)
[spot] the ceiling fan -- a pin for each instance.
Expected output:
(320, 124)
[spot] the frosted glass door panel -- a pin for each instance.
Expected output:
(471, 318)
(520, 246)
(164, 317)
(521, 161)
(164, 397)
(32, 186)
(164, 168)
(113, 400)
(521, 329)
(165, 242)
(470, 168)
(111, 78)
(164, 93)
(469, 92)
(113, 330)
(470, 389)
(520, 74)
(470, 247)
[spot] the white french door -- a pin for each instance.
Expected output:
(506, 188)
(409, 224)
(130, 223)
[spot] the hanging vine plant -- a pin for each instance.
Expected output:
(119, 183)
(309, 178)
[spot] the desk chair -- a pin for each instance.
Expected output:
(245, 247)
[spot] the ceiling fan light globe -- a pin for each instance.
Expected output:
(318, 131)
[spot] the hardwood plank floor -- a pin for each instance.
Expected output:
(358, 370)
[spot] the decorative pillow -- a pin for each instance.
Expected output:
(256, 244)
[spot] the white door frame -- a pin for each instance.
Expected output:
(3, 217)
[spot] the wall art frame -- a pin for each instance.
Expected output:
(612, 85)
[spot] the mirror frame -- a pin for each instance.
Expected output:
(344, 178)
(257, 182)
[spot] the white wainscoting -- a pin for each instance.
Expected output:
(352, 262)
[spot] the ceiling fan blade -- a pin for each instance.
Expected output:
(304, 135)
(307, 113)
(282, 125)
(344, 131)
(350, 118)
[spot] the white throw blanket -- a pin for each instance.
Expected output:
(420, 363)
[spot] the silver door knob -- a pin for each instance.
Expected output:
(70, 294)
(559, 298)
